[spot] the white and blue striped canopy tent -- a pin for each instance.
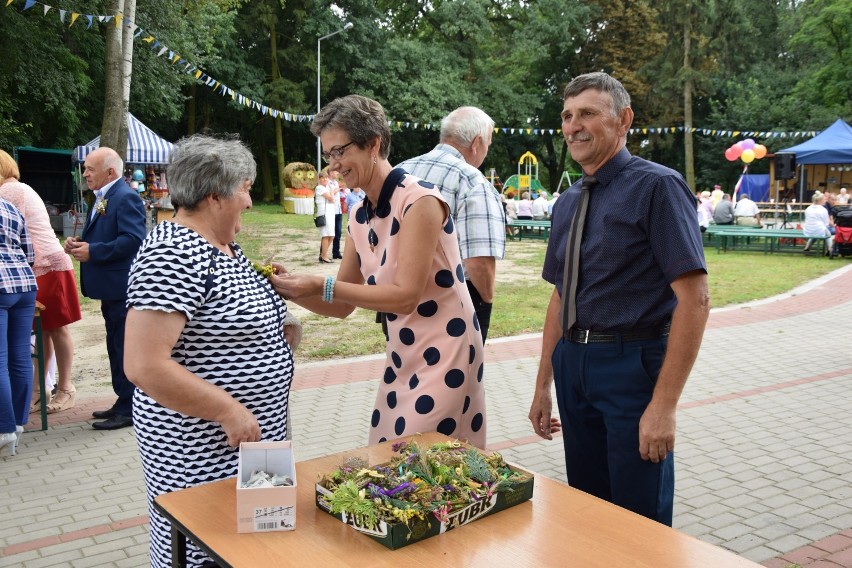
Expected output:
(144, 146)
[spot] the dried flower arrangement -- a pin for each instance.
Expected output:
(416, 483)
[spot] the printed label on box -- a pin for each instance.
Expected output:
(274, 518)
(469, 513)
(380, 529)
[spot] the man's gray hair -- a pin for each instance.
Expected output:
(600, 82)
(362, 119)
(113, 160)
(464, 124)
(202, 165)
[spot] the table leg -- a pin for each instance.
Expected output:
(178, 548)
(41, 364)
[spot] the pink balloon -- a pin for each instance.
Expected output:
(740, 145)
(736, 150)
(731, 155)
(748, 144)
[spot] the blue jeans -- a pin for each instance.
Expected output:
(338, 231)
(16, 365)
(602, 390)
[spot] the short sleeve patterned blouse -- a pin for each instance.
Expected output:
(233, 338)
(434, 369)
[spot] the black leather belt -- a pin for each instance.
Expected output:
(575, 335)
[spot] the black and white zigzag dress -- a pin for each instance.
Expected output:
(233, 338)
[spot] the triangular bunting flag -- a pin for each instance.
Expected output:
(74, 16)
(29, 4)
(46, 9)
(62, 16)
(91, 21)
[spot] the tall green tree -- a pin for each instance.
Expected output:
(711, 41)
(44, 86)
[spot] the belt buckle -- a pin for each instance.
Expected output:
(584, 333)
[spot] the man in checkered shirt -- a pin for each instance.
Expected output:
(475, 205)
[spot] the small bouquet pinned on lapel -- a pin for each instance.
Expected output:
(100, 207)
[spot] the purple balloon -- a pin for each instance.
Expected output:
(748, 144)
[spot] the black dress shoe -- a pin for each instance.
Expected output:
(102, 414)
(114, 423)
(338, 256)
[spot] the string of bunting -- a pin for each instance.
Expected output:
(179, 62)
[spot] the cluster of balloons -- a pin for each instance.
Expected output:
(746, 150)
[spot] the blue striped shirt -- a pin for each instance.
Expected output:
(475, 205)
(17, 254)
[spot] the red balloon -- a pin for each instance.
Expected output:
(736, 150)
(730, 155)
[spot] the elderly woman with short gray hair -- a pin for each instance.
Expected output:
(206, 345)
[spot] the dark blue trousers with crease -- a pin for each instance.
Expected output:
(602, 389)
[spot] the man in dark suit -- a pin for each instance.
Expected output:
(111, 237)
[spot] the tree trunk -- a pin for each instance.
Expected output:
(279, 127)
(688, 158)
(268, 188)
(127, 68)
(191, 109)
(114, 114)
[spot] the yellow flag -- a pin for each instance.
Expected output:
(118, 18)
(74, 16)
(8, 2)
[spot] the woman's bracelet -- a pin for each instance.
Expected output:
(328, 290)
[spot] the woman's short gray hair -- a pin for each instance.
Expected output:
(202, 165)
(464, 124)
(603, 83)
(362, 119)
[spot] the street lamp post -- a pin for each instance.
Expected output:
(348, 26)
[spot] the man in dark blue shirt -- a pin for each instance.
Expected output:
(641, 307)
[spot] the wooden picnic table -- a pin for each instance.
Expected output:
(531, 229)
(768, 240)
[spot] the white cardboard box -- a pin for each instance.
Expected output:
(265, 509)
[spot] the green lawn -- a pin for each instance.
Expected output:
(522, 296)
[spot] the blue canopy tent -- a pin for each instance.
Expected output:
(831, 146)
(144, 146)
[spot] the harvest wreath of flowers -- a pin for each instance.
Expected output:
(437, 480)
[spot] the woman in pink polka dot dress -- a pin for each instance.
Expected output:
(401, 243)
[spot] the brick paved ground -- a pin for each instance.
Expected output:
(763, 450)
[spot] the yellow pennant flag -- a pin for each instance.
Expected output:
(176, 58)
(198, 74)
(74, 16)
(148, 39)
(8, 2)
(118, 18)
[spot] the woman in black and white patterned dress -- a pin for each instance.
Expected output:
(206, 340)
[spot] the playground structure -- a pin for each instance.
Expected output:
(527, 178)
(526, 181)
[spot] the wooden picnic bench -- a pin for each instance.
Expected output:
(530, 229)
(735, 237)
